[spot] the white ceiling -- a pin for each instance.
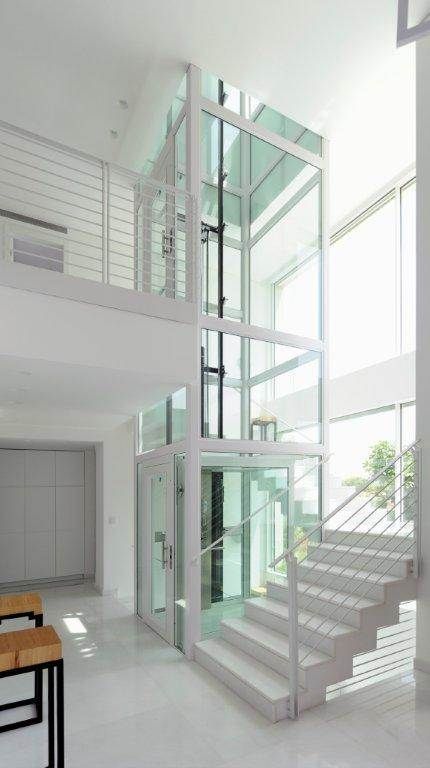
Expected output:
(66, 63)
(40, 392)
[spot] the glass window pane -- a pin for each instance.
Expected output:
(179, 415)
(209, 86)
(285, 268)
(152, 427)
(232, 260)
(278, 189)
(232, 487)
(362, 293)
(408, 424)
(408, 245)
(289, 129)
(263, 157)
(353, 442)
(269, 391)
(209, 146)
(232, 217)
(232, 154)
(181, 155)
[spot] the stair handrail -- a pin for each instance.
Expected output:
(290, 559)
(231, 531)
(291, 550)
(341, 570)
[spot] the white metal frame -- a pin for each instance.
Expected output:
(405, 33)
(148, 472)
(196, 444)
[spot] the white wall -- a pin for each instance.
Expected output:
(386, 383)
(372, 139)
(423, 339)
(78, 333)
(118, 512)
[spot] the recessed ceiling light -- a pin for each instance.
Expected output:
(113, 133)
(123, 103)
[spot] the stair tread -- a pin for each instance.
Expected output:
(274, 641)
(330, 595)
(313, 621)
(357, 550)
(341, 570)
(272, 686)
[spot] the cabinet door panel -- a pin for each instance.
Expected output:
(11, 467)
(12, 510)
(40, 548)
(40, 468)
(69, 468)
(69, 513)
(39, 509)
(12, 557)
(69, 553)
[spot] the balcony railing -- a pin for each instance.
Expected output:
(73, 214)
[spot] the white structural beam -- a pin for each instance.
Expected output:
(405, 33)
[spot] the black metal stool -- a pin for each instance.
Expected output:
(26, 605)
(33, 650)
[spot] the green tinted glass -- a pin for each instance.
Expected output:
(289, 129)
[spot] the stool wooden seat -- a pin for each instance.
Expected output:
(28, 647)
(25, 604)
(33, 650)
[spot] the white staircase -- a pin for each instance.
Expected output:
(346, 587)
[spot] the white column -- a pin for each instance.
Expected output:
(192, 466)
(423, 340)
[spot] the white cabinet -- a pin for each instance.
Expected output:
(40, 468)
(40, 532)
(69, 530)
(42, 514)
(12, 510)
(12, 557)
(12, 468)
(69, 468)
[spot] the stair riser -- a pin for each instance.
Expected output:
(278, 663)
(313, 678)
(323, 607)
(273, 711)
(398, 544)
(326, 644)
(365, 562)
(356, 586)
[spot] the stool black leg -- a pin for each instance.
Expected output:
(38, 694)
(38, 678)
(60, 714)
(51, 720)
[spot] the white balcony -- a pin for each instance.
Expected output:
(76, 227)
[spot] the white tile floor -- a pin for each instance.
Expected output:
(134, 702)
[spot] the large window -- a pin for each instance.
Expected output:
(372, 285)
(362, 445)
(259, 390)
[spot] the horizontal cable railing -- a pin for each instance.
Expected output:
(396, 527)
(73, 214)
